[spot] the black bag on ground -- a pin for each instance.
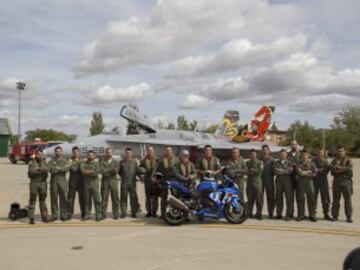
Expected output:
(17, 212)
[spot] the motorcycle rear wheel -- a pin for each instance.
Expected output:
(235, 216)
(174, 216)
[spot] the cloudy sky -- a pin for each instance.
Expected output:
(196, 58)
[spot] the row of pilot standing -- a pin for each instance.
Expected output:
(296, 176)
(83, 180)
(289, 172)
(292, 176)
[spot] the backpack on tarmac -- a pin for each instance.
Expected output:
(16, 212)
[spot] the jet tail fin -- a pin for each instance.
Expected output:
(132, 115)
(257, 127)
(229, 126)
(255, 130)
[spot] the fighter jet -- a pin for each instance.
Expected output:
(227, 136)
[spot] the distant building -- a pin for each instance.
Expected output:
(5, 134)
(276, 137)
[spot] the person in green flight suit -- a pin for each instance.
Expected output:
(58, 168)
(341, 168)
(38, 173)
(267, 177)
(76, 184)
(208, 162)
(306, 171)
(90, 170)
(254, 186)
(321, 184)
(109, 168)
(237, 169)
(294, 157)
(150, 163)
(185, 171)
(128, 171)
(283, 183)
(166, 168)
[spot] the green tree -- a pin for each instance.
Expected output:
(13, 139)
(339, 135)
(97, 124)
(350, 119)
(193, 125)
(305, 134)
(211, 129)
(274, 127)
(182, 123)
(170, 126)
(48, 135)
(345, 130)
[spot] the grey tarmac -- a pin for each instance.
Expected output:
(147, 243)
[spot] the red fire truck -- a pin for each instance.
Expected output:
(24, 151)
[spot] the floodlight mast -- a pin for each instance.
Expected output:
(20, 86)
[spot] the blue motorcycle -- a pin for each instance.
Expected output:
(210, 199)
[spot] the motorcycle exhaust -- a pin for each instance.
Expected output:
(178, 203)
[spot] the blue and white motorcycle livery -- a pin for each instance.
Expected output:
(209, 200)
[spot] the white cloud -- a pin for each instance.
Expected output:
(324, 103)
(226, 89)
(297, 55)
(236, 54)
(106, 94)
(301, 82)
(177, 27)
(194, 102)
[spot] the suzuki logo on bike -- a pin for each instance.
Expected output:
(215, 196)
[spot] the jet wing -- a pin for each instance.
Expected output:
(149, 140)
(245, 146)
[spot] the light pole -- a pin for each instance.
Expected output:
(20, 86)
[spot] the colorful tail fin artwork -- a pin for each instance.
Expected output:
(255, 130)
(229, 126)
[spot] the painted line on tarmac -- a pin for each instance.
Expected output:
(354, 233)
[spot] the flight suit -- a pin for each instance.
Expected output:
(321, 184)
(282, 170)
(76, 185)
(254, 186)
(185, 174)
(58, 187)
(91, 187)
(166, 167)
(342, 185)
(294, 158)
(238, 169)
(128, 171)
(38, 173)
(305, 187)
(267, 177)
(151, 191)
(208, 165)
(110, 185)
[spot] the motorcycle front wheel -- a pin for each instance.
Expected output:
(174, 216)
(236, 215)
